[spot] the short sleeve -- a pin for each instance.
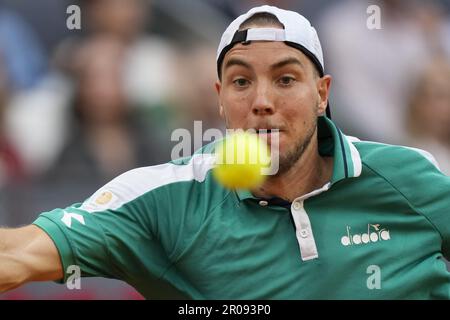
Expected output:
(428, 190)
(112, 235)
(80, 241)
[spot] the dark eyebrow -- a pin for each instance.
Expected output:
(237, 62)
(277, 65)
(285, 62)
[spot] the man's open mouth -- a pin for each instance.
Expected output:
(268, 131)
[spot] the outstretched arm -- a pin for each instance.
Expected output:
(27, 254)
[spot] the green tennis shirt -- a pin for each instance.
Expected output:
(377, 230)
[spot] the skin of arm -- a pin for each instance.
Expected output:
(27, 254)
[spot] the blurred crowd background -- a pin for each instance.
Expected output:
(79, 107)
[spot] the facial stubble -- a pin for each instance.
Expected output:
(287, 161)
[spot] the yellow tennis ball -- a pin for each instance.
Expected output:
(240, 161)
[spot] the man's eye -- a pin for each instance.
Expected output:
(286, 81)
(241, 82)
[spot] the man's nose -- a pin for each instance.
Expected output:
(263, 101)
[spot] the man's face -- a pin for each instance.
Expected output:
(269, 85)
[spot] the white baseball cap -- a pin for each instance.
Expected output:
(297, 33)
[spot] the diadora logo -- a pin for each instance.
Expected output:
(374, 234)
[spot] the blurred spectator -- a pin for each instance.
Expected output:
(37, 118)
(370, 67)
(124, 19)
(197, 96)
(148, 70)
(25, 60)
(47, 18)
(428, 116)
(11, 167)
(36, 122)
(35, 112)
(107, 137)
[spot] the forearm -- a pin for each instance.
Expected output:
(12, 271)
(27, 254)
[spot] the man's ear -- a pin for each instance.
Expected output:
(323, 90)
(219, 89)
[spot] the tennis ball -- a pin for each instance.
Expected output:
(240, 160)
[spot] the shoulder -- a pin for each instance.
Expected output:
(413, 173)
(394, 158)
(139, 182)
